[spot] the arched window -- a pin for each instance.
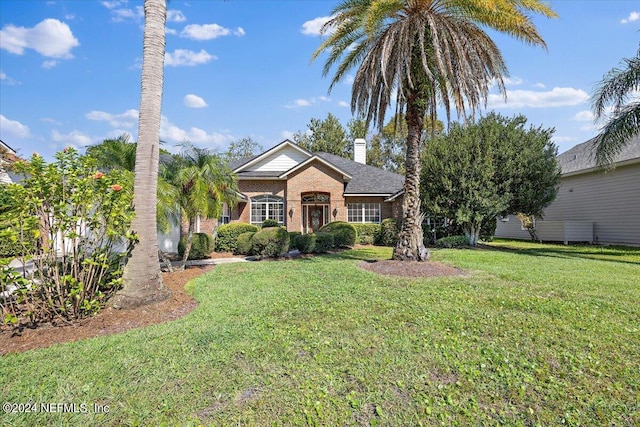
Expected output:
(267, 206)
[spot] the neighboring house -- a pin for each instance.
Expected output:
(303, 190)
(592, 205)
(7, 155)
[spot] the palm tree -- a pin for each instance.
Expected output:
(615, 89)
(142, 278)
(425, 53)
(202, 182)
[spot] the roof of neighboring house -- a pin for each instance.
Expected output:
(581, 158)
(6, 147)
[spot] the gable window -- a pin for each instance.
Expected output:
(267, 207)
(363, 212)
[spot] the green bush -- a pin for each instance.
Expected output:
(227, 240)
(244, 244)
(323, 242)
(387, 233)
(293, 236)
(305, 243)
(201, 246)
(344, 233)
(452, 242)
(270, 223)
(366, 233)
(270, 242)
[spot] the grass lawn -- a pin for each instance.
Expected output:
(538, 335)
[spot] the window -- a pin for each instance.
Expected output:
(226, 215)
(363, 212)
(267, 207)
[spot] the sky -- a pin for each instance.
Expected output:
(70, 71)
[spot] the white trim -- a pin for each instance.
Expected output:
(345, 175)
(269, 152)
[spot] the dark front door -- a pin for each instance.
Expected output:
(315, 218)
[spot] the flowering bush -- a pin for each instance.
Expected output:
(79, 220)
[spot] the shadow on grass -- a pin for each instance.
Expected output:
(594, 253)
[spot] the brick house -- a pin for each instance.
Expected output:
(304, 190)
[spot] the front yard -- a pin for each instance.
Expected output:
(541, 335)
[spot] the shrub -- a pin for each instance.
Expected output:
(366, 233)
(293, 237)
(323, 242)
(244, 244)
(387, 233)
(228, 235)
(344, 233)
(201, 246)
(452, 242)
(270, 223)
(306, 243)
(270, 242)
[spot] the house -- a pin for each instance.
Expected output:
(7, 155)
(592, 205)
(303, 190)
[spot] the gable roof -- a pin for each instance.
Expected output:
(581, 158)
(246, 163)
(345, 175)
(4, 146)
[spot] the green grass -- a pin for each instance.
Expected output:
(536, 335)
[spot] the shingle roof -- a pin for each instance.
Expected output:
(366, 179)
(582, 158)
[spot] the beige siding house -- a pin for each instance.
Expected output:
(592, 205)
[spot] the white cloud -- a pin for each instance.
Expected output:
(171, 31)
(122, 15)
(583, 116)
(12, 127)
(561, 139)
(49, 64)
(128, 119)
(172, 133)
(50, 38)
(349, 79)
(182, 57)
(5, 79)
(209, 32)
(513, 81)
(539, 85)
(287, 134)
(299, 103)
(633, 16)
(343, 104)
(556, 97)
(314, 26)
(175, 16)
(194, 101)
(112, 4)
(75, 138)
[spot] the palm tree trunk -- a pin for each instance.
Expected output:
(142, 276)
(410, 246)
(188, 243)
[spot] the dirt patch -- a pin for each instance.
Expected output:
(109, 320)
(411, 268)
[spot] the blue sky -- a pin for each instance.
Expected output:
(70, 70)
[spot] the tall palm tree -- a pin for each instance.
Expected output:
(425, 54)
(202, 182)
(616, 89)
(142, 278)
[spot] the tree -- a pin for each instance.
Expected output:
(493, 167)
(203, 182)
(142, 276)
(616, 89)
(425, 53)
(326, 135)
(242, 148)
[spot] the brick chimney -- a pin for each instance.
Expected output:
(360, 151)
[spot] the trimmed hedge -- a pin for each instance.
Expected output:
(201, 246)
(387, 233)
(244, 243)
(366, 233)
(452, 242)
(228, 235)
(272, 242)
(323, 242)
(270, 223)
(305, 243)
(344, 233)
(293, 239)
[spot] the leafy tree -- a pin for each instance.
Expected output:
(326, 135)
(203, 182)
(243, 147)
(495, 166)
(142, 275)
(422, 54)
(616, 89)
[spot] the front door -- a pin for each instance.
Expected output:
(315, 218)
